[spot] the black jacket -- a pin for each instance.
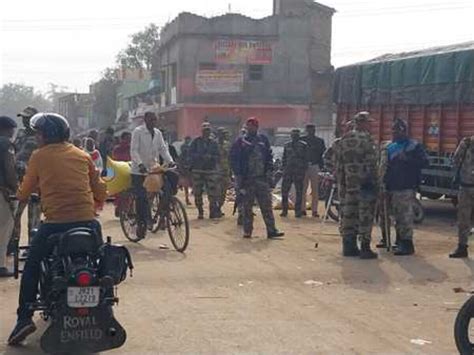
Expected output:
(240, 153)
(406, 159)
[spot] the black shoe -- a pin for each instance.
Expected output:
(247, 236)
(404, 248)
(316, 215)
(298, 215)
(4, 272)
(460, 252)
(22, 329)
(284, 214)
(367, 253)
(304, 213)
(275, 235)
(350, 248)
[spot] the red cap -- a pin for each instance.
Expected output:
(252, 121)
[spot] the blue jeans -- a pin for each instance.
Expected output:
(40, 249)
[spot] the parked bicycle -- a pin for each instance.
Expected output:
(18, 251)
(167, 211)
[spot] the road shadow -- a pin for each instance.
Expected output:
(31, 345)
(421, 271)
(365, 275)
(470, 264)
(142, 252)
(240, 245)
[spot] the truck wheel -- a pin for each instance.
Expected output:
(419, 212)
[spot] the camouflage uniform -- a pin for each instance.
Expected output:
(295, 164)
(464, 161)
(25, 144)
(356, 162)
(204, 153)
(224, 170)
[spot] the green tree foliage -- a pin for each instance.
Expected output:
(15, 97)
(105, 98)
(139, 53)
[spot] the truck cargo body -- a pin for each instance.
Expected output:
(433, 90)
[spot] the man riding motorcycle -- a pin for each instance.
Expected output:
(69, 184)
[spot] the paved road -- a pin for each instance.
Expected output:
(229, 295)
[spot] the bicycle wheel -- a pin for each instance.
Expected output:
(178, 225)
(155, 213)
(463, 330)
(128, 216)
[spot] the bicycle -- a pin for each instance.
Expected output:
(34, 220)
(168, 212)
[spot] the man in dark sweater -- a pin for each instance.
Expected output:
(402, 161)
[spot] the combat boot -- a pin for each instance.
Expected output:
(365, 251)
(460, 252)
(405, 247)
(200, 212)
(349, 247)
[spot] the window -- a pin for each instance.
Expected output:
(207, 66)
(256, 72)
(173, 75)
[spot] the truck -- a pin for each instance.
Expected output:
(431, 89)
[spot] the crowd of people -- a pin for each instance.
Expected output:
(42, 155)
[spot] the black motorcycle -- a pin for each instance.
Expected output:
(77, 290)
(463, 331)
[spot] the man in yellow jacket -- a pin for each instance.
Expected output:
(68, 183)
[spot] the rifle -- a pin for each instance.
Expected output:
(385, 216)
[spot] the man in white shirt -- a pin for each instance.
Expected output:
(146, 148)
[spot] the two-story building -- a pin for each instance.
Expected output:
(225, 69)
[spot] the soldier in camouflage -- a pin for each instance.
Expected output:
(295, 163)
(356, 171)
(25, 144)
(224, 165)
(464, 165)
(401, 164)
(252, 163)
(204, 154)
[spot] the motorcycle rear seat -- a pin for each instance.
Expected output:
(76, 241)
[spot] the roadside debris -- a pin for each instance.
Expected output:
(313, 283)
(420, 342)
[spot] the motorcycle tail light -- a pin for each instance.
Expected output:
(82, 312)
(84, 278)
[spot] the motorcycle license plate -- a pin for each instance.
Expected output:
(83, 297)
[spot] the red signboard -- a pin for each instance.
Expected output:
(243, 51)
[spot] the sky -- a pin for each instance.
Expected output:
(69, 43)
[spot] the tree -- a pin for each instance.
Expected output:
(104, 93)
(15, 97)
(139, 53)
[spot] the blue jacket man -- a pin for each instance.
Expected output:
(403, 160)
(251, 161)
